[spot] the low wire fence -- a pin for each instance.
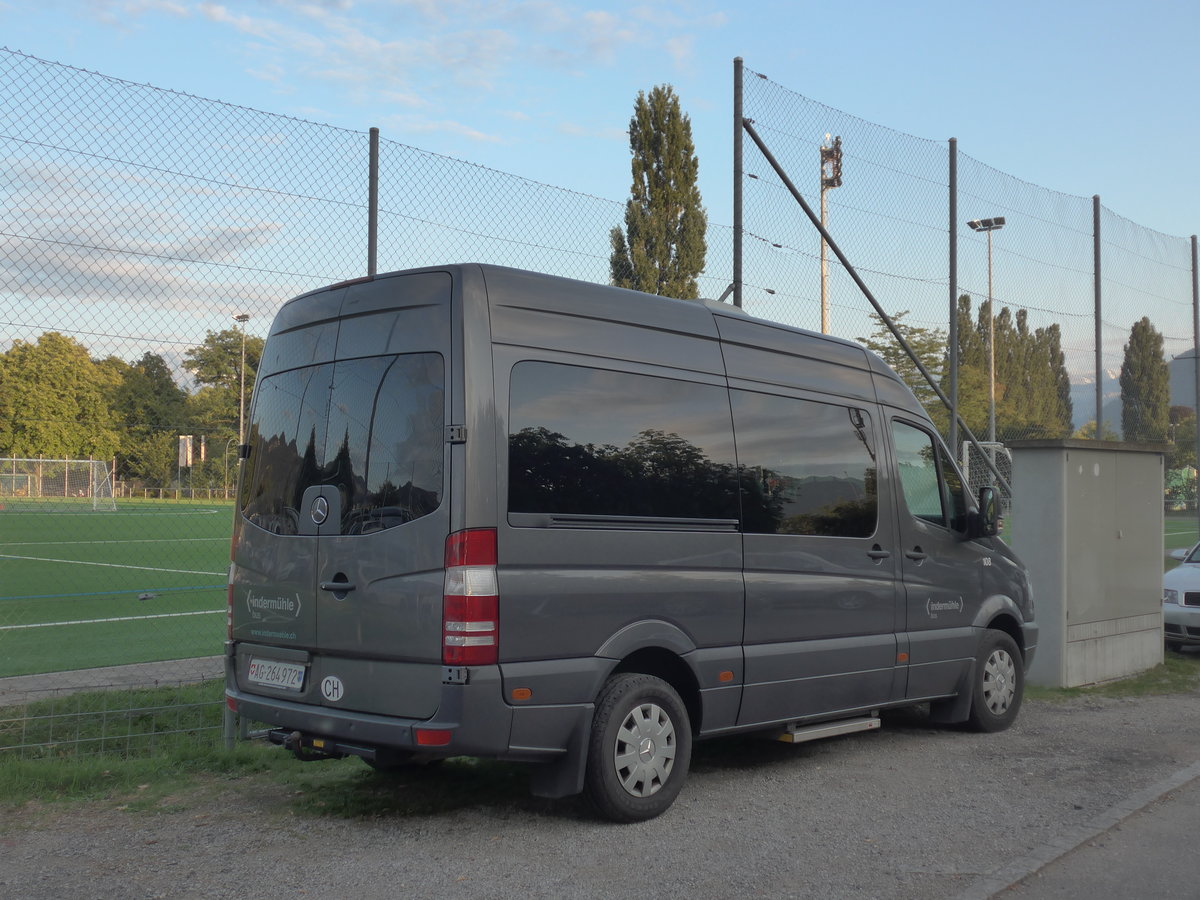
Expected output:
(142, 265)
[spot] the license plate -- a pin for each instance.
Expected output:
(271, 673)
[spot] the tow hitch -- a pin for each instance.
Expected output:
(307, 748)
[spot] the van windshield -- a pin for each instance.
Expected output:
(373, 428)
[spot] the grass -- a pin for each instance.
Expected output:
(1179, 531)
(159, 755)
(1178, 674)
(83, 588)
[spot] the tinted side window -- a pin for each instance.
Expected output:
(931, 485)
(808, 468)
(594, 442)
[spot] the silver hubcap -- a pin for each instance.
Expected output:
(999, 682)
(645, 750)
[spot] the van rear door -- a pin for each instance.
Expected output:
(347, 485)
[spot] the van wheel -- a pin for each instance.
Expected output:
(1175, 646)
(999, 683)
(640, 748)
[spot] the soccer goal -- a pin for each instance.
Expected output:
(15, 484)
(73, 482)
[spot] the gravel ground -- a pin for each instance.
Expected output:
(910, 811)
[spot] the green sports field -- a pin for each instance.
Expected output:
(81, 588)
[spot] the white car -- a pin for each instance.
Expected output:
(1181, 600)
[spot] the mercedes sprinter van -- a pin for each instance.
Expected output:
(493, 513)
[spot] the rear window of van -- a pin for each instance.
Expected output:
(372, 427)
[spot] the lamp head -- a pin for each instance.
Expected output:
(986, 224)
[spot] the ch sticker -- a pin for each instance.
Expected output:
(332, 688)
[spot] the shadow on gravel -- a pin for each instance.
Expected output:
(348, 789)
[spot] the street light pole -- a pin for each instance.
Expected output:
(242, 319)
(988, 226)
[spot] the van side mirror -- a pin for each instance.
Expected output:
(987, 523)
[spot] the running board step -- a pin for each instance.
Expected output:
(797, 734)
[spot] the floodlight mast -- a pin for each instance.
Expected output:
(831, 177)
(987, 226)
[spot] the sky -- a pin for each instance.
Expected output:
(1086, 98)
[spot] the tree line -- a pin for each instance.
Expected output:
(58, 402)
(1032, 386)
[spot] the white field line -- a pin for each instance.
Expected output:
(130, 541)
(80, 562)
(124, 514)
(202, 612)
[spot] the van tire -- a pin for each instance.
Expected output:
(998, 684)
(639, 750)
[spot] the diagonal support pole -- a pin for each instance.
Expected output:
(866, 291)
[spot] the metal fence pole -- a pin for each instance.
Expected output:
(953, 340)
(1196, 358)
(1099, 353)
(373, 201)
(737, 181)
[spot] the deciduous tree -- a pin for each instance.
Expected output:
(52, 401)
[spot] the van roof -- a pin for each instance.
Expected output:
(503, 276)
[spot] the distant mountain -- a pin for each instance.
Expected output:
(1083, 400)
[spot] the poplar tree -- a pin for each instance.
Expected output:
(661, 250)
(1145, 385)
(1033, 389)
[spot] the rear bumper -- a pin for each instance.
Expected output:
(477, 720)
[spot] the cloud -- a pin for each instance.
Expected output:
(446, 125)
(94, 236)
(572, 129)
(428, 51)
(680, 49)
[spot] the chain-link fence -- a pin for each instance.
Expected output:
(150, 236)
(1031, 369)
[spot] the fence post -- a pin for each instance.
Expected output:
(1098, 327)
(953, 340)
(737, 181)
(373, 201)
(1196, 359)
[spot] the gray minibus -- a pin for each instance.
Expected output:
(488, 512)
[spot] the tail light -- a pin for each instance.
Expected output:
(233, 545)
(470, 599)
(229, 604)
